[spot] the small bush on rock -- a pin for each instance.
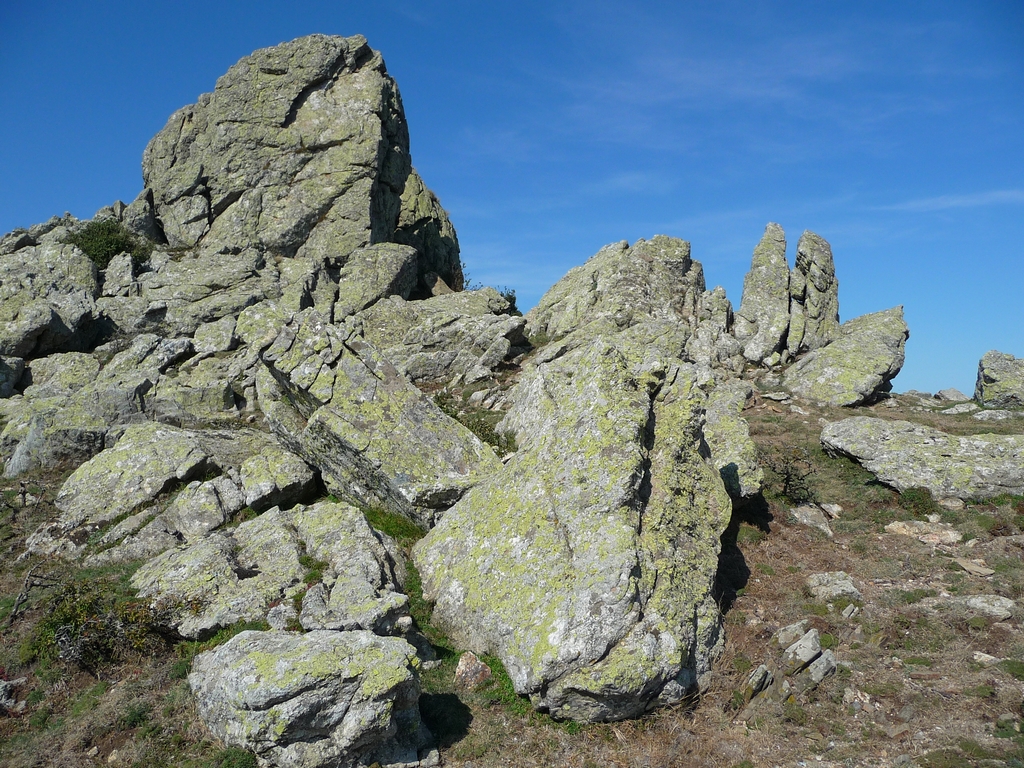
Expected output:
(102, 240)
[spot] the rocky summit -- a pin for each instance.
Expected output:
(323, 468)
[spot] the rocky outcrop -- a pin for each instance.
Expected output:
(216, 473)
(905, 455)
(467, 334)
(47, 299)
(317, 700)
(653, 279)
(586, 565)
(334, 400)
(712, 345)
(1000, 381)
(237, 574)
(302, 150)
(857, 365)
(814, 296)
(763, 318)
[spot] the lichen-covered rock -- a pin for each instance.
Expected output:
(375, 438)
(148, 459)
(445, 336)
(814, 296)
(47, 300)
(858, 365)
(1000, 381)
(905, 455)
(236, 574)
(763, 318)
(712, 344)
(728, 437)
(276, 478)
(302, 150)
(316, 700)
(586, 565)
(218, 336)
(374, 272)
(654, 279)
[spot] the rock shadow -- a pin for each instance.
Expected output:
(733, 572)
(447, 717)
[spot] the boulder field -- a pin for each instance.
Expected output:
(278, 360)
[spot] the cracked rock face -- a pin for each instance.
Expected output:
(814, 296)
(302, 150)
(586, 564)
(336, 401)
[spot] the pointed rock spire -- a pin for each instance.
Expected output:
(763, 317)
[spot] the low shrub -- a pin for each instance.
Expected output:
(104, 239)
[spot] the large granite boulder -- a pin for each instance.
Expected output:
(237, 574)
(467, 334)
(905, 455)
(1000, 381)
(333, 399)
(586, 565)
(763, 317)
(814, 296)
(302, 150)
(654, 279)
(859, 364)
(316, 700)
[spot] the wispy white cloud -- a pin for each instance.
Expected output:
(949, 202)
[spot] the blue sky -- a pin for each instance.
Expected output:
(547, 129)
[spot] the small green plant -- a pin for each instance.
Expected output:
(788, 472)
(87, 625)
(501, 689)
(232, 757)
(134, 716)
(828, 641)
(314, 568)
(479, 423)
(919, 502)
(104, 239)
(914, 595)
(794, 713)
(398, 527)
(766, 569)
(1014, 667)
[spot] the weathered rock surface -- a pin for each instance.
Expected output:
(859, 364)
(712, 345)
(47, 300)
(586, 565)
(302, 150)
(236, 574)
(376, 438)
(653, 279)
(465, 334)
(763, 318)
(832, 586)
(814, 296)
(728, 437)
(315, 700)
(905, 455)
(1000, 381)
